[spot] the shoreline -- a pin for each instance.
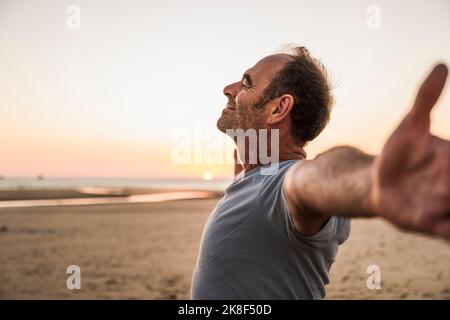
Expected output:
(96, 196)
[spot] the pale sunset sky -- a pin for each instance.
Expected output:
(105, 100)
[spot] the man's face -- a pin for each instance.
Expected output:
(242, 110)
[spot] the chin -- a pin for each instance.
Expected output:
(222, 124)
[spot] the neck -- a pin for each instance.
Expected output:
(292, 153)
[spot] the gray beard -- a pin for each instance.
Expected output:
(234, 121)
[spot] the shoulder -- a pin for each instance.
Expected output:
(272, 179)
(274, 174)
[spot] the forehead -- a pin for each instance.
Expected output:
(266, 68)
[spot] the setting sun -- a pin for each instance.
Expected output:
(207, 176)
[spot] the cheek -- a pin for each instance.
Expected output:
(244, 112)
(243, 100)
(240, 98)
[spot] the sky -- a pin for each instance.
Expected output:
(108, 99)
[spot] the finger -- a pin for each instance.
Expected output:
(428, 94)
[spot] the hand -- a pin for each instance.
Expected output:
(237, 164)
(411, 177)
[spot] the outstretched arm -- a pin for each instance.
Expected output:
(337, 182)
(407, 184)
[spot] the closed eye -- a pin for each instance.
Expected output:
(246, 81)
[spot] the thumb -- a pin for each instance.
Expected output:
(428, 95)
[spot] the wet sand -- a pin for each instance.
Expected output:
(48, 194)
(148, 251)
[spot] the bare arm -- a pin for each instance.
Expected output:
(407, 184)
(337, 182)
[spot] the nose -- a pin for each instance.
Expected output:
(231, 90)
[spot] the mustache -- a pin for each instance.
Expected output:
(231, 103)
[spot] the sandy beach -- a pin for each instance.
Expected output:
(148, 251)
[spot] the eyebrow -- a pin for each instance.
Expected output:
(247, 77)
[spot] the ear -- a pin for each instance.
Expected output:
(281, 108)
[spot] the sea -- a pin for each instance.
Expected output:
(113, 183)
(174, 189)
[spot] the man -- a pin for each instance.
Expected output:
(276, 236)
